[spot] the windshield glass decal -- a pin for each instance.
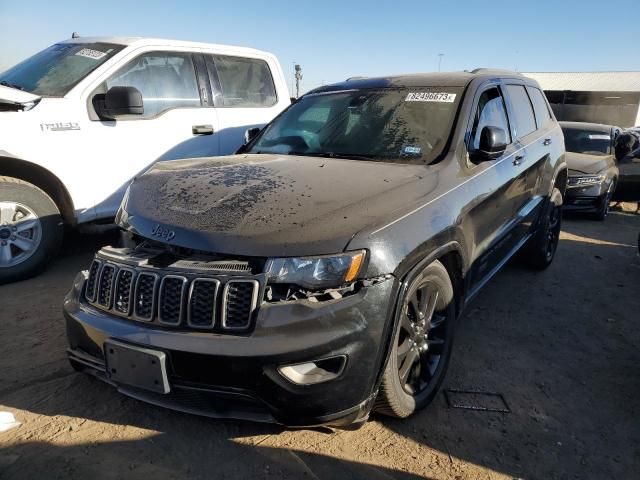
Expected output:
(90, 53)
(443, 97)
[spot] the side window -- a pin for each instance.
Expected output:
(491, 112)
(539, 107)
(166, 80)
(244, 82)
(523, 122)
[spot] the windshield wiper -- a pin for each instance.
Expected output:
(11, 85)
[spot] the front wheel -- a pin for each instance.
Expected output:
(603, 209)
(421, 349)
(30, 229)
(541, 248)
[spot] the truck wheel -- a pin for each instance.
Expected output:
(541, 248)
(30, 229)
(421, 349)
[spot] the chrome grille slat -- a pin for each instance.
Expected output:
(202, 303)
(145, 296)
(105, 285)
(92, 281)
(125, 281)
(171, 299)
(239, 301)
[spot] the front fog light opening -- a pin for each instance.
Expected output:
(318, 371)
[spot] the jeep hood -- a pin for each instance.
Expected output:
(267, 205)
(581, 163)
(14, 99)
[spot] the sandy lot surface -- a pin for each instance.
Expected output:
(562, 347)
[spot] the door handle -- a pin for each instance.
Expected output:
(518, 160)
(547, 141)
(202, 129)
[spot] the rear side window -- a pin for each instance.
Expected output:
(491, 112)
(540, 107)
(166, 80)
(523, 122)
(244, 82)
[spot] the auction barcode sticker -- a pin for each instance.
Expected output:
(89, 53)
(431, 97)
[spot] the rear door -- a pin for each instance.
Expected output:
(533, 134)
(244, 95)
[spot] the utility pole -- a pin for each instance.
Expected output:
(440, 55)
(298, 77)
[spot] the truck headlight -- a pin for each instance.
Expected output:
(586, 180)
(314, 273)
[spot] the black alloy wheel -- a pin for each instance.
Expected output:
(421, 348)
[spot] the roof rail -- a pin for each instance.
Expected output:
(354, 78)
(501, 71)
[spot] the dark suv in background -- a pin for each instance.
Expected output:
(319, 273)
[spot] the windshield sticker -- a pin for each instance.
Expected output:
(598, 137)
(411, 150)
(431, 97)
(89, 53)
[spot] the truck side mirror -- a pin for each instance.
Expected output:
(493, 143)
(251, 134)
(119, 102)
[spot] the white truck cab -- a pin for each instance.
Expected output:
(83, 117)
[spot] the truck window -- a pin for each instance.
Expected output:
(523, 122)
(539, 106)
(244, 82)
(491, 112)
(166, 81)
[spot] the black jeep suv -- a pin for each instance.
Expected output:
(318, 274)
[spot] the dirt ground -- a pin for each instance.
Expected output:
(561, 346)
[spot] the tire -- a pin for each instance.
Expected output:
(603, 209)
(31, 229)
(397, 397)
(541, 248)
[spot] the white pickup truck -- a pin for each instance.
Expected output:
(83, 117)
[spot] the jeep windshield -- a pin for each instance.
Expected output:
(408, 125)
(55, 70)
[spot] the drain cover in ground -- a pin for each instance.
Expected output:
(476, 400)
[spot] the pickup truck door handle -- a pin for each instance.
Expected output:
(202, 129)
(518, 160)
(547, 141)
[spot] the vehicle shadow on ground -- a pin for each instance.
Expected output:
(566, 368)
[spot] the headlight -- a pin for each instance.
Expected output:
(586, 180)
(316, 272)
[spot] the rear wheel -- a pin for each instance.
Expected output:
(421, 348)
(541, 248)
(30, 229)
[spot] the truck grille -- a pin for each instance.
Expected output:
(227, 303)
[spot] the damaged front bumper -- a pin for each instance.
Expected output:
(221, 374)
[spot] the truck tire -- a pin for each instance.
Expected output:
(31, 229)
(421, 348)
(541, 248)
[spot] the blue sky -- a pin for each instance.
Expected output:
(333, 40)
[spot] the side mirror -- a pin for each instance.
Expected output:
(250, 135)
(493, 143)
(119, 102)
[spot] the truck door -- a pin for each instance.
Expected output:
(177, 123)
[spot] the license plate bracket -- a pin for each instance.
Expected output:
(136, 366)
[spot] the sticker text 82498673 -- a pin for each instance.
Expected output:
(431, 97)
